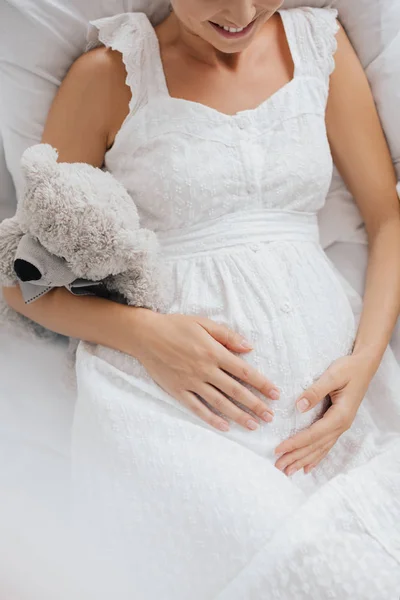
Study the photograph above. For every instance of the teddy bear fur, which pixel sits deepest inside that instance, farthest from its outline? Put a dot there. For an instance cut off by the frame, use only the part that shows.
(84, 215)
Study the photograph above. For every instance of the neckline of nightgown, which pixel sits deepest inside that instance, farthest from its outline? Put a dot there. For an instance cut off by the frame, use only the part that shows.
(287, 26)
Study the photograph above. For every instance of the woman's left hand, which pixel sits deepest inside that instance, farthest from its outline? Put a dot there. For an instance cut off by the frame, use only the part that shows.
(346, 382)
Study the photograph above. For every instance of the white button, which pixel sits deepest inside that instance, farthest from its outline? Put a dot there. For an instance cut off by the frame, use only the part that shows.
(254, 247)
(243, 122)
(286, 307)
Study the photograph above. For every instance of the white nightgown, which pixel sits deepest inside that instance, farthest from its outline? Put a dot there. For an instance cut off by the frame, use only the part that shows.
(182, 511)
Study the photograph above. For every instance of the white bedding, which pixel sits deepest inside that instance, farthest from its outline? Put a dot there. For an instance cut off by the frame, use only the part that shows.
(34, 464)
(7, 191)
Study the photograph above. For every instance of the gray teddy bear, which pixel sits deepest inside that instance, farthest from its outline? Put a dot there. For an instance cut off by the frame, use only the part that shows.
(77, 227)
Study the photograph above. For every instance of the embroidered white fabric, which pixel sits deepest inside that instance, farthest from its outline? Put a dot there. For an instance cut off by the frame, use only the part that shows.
(180, 510)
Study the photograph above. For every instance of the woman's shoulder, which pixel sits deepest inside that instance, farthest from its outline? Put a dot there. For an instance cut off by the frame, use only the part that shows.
(100, 75)
(89, 107)
(100, 67)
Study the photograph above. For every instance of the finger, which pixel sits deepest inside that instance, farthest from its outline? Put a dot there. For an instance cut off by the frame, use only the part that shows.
(313, 458)
(309, 468)
(235, 390)
(315, 462)
(329, 424)
(326, 384)
(226, 407)
(239, 368)
(225, 336)
(289, 458)
(201, 410)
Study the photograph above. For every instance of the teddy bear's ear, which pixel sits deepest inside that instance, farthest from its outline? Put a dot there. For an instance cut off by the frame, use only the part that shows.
(37, 161)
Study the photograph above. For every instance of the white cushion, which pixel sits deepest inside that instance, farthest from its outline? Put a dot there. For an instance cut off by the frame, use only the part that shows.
(384, 75)
(7, 191)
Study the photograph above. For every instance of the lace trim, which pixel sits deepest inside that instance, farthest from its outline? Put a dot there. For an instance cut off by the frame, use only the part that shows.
(316, 38)
(127, 33)
(330, 16)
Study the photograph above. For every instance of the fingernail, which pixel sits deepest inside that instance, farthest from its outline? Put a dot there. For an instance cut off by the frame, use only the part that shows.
(267, 417)
(303, 404)
(274, 395)
(252, 425)
(245, 344)
(292, 471)
(224, 426)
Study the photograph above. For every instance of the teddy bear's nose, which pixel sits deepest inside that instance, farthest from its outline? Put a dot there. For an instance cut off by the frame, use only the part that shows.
(26, 271)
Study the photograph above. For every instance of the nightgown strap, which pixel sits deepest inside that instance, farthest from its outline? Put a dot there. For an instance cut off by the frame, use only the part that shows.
(311, 34)
(133, 35)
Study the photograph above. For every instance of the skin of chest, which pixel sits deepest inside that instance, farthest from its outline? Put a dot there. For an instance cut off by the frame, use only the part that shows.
(228, 83)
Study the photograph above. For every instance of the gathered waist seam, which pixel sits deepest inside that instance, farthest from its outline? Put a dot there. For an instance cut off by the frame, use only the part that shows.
(239, 229)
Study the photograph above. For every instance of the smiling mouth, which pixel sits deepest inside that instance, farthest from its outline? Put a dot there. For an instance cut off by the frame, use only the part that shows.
(232, 32)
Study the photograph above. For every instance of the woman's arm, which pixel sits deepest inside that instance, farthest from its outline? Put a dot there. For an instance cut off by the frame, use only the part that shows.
(89, 108)
(86, 318)
(362, 156)
(81, 124)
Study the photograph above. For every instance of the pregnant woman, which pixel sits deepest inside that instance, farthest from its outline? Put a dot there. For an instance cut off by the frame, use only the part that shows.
(245, 441)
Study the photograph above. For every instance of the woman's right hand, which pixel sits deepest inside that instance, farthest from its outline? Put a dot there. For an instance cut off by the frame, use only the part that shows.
(189, 356)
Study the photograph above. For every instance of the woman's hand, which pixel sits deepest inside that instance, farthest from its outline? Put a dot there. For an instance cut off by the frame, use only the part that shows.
(346, 382)
(189, 357)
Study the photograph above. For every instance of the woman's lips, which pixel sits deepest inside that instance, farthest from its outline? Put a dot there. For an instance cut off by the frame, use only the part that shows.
(230, 34)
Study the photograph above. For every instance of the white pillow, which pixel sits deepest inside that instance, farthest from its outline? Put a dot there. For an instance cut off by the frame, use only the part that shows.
(39, 40)
(384, 75)
(7, 191)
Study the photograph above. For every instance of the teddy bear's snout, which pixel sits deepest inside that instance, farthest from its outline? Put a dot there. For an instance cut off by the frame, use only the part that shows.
(26, 271)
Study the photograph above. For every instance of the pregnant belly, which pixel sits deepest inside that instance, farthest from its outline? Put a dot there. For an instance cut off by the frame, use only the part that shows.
(284, 298)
